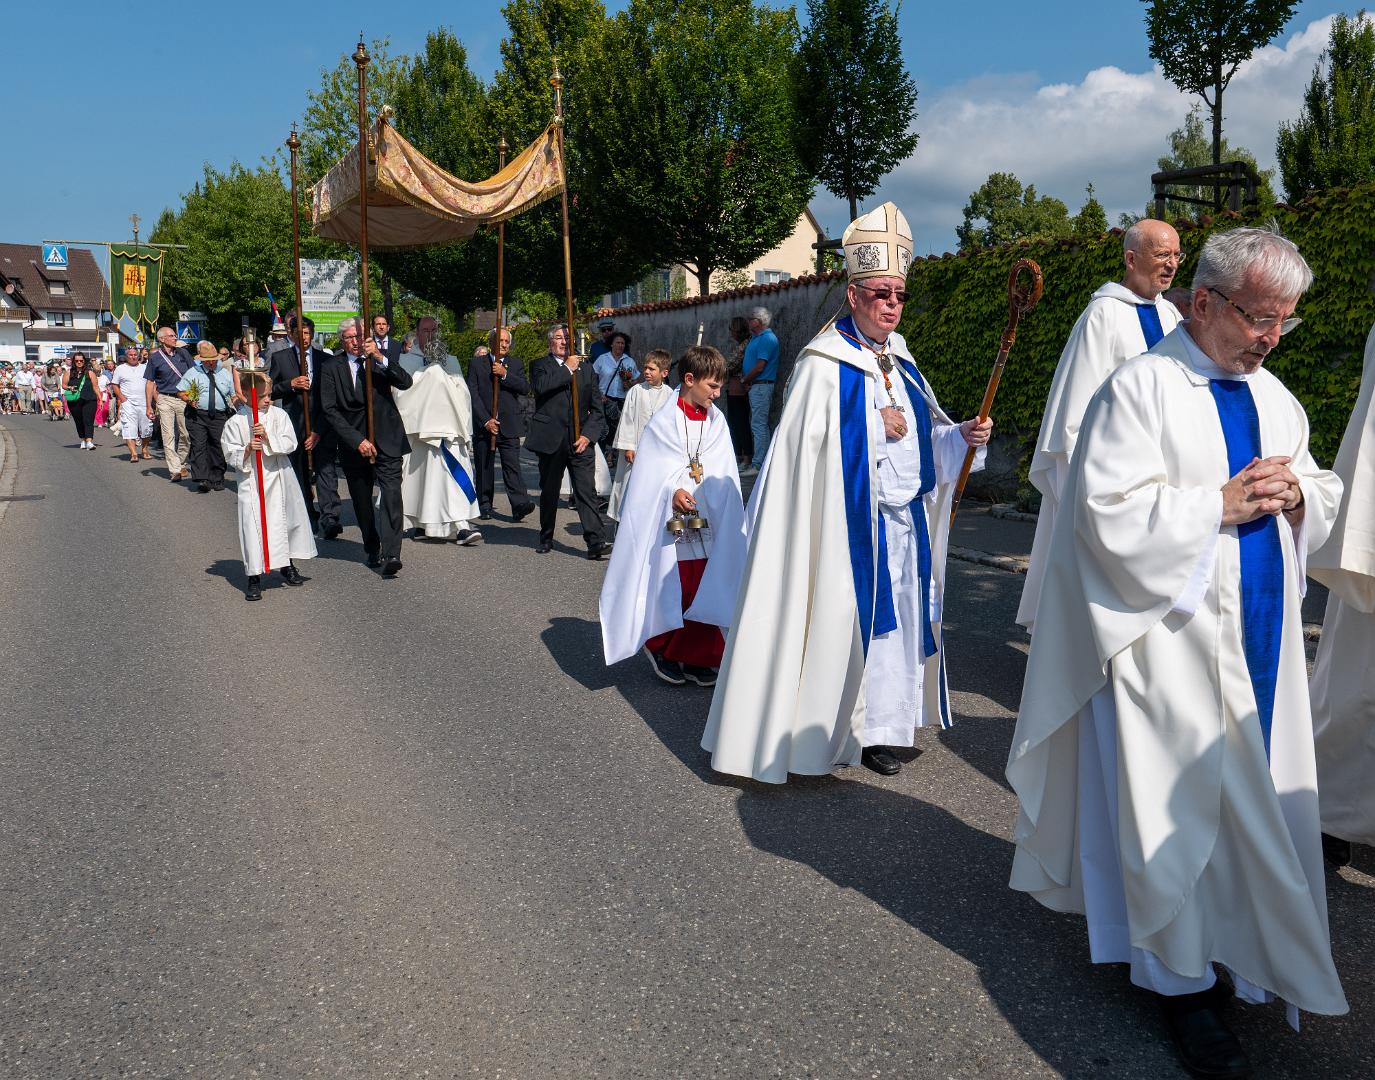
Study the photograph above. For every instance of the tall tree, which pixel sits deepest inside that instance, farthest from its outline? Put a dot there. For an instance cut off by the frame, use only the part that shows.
(330, 125)
(1092, 219)
(693, 140)
(1332, 143)
(855, 100)
(236, 225)
(1002, 211)
(1199, 44)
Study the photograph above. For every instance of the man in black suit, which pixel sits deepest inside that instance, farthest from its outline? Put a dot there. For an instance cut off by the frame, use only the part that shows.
(550, 438)
(288, 380)
(344, 403)
(508, 425)
(386, 344)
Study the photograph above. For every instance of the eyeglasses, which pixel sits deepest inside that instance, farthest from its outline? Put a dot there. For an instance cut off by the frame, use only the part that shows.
(1168, 256)
(1260, 326)
(884, 294)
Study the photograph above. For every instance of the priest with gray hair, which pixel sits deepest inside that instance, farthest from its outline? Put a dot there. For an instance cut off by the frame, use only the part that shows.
(1163, 756)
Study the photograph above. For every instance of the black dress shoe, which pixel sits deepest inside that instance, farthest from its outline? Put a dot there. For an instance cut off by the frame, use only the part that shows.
(1336, 850)
(202, 487)
(390, 567)
(217, 486)
(374, 559)
(332, 530)
(545, 547)
(485, 515)
(596, 551)
(1206, 1046)
(292, 576)
(881, 760)
(523, 512)
(254, 590)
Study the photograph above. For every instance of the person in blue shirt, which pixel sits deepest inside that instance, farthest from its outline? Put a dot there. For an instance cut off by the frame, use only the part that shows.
(760, 373)
(208, 390)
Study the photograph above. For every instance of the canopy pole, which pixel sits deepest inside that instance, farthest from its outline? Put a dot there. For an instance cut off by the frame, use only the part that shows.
(501, 314)
(556, 81)
(360, 57)
(293, 144)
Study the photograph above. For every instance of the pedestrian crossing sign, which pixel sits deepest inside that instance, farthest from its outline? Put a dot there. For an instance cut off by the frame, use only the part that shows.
(188, 333)
(55, 256)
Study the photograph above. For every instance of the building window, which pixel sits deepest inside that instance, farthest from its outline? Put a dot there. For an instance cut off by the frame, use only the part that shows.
(771, 277)
(31, 353)
(57, 288)
(59, 318)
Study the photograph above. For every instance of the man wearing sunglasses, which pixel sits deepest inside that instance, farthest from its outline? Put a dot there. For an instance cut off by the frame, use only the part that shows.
(1163, 757)
(835, 655)
(1122, 320)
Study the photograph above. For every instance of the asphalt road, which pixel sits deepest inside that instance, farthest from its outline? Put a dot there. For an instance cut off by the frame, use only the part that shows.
(418, 829)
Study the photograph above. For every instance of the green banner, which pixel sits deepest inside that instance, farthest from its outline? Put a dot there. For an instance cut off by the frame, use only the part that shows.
(135, 283)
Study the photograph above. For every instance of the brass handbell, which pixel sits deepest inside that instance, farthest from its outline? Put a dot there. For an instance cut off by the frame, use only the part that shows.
(695, 522)
(676, 525)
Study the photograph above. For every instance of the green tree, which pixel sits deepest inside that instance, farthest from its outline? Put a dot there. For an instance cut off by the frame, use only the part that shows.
(692, 143)
(855, 100)
(330, 125)
(1092, 219)
(1190, 148)
(237, 228)
(1001, 211)
(1332, 143)
(441, 108)
(1199, 44)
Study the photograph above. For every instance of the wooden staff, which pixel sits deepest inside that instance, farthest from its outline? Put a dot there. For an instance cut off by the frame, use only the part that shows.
(293, 144)
(360, 57)
(1020, 300)
(556, 81)
(501, 315)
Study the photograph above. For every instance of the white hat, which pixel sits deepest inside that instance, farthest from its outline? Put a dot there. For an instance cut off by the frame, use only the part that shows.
(878, 244)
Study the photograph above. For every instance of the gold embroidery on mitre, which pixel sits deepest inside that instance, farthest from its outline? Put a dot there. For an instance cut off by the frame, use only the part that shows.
(878, 244)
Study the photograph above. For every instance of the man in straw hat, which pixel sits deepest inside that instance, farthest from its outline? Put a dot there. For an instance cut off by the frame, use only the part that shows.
(208, 390)
(834, 653)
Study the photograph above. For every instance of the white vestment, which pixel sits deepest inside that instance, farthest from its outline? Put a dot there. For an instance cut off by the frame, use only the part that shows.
(1343, 686)
(791, 694)
(641, 594)
(289, 533)
(601, 471)
(415, 362)
(641, 403)
(1107, 334)
(1215, 854)
(895, 674)
(437, 411)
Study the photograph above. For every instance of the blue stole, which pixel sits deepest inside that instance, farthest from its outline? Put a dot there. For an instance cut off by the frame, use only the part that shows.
(457, 471)
(1262, 557)
(922, 420)
(1151, 330)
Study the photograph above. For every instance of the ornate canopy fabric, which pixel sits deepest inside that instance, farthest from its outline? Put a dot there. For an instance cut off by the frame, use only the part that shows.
(412, 202)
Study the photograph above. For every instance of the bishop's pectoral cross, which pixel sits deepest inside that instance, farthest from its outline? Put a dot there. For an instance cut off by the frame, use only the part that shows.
(695, 470)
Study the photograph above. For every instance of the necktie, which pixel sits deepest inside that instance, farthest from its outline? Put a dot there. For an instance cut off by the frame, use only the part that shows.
(211, 376)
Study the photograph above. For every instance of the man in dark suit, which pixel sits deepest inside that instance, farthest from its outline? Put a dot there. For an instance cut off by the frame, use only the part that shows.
(550, 438)
(386, 344)
(288, 380)
(508, 425)
(344, 403)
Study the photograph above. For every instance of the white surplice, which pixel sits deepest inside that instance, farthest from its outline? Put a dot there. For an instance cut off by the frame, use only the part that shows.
(1107, 334)
(289, 534)
(641, 403)
(642, 595)
(1215, 854)
(436, 409)
(895, 673)
(1343, 686)
(791, 696)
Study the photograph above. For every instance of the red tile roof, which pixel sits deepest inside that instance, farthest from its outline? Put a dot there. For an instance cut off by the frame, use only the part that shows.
(22, 264)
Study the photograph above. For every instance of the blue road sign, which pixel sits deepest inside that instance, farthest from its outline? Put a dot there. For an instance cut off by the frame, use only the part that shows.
(188, 333)
(55, 256)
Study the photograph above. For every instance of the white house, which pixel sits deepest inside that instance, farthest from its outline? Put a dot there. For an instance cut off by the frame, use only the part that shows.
(66, 309)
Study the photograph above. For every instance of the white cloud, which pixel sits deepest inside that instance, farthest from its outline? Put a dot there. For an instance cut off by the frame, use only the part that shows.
(1107, 129)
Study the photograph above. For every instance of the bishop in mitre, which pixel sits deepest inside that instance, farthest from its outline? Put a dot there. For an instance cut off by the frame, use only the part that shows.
(1342, 690)
(835, 652)
(438, 496)
(1123, 319)
(1163, 756)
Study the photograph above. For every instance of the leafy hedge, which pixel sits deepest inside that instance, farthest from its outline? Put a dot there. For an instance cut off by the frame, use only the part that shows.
(959, 308)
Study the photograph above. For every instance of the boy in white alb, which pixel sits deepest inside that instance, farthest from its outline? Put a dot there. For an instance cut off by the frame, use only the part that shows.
(289, 535)
(641, 403)
(680, 550)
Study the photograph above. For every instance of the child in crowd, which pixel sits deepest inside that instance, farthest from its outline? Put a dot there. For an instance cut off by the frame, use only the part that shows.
(289, 534)
(680, 550)
(641, 403)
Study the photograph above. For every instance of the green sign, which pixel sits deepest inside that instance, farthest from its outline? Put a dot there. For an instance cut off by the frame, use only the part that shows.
(135, 283)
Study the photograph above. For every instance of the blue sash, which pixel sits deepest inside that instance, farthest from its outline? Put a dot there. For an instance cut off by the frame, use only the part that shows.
(457, 471)
(1151, 330)
(868, 548)
(1262, 557)
(922, 419)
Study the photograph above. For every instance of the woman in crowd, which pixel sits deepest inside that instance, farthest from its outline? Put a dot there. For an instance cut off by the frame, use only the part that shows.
(80, 379)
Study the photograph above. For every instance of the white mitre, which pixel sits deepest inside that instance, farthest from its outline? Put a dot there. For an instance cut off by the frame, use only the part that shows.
(878, 244)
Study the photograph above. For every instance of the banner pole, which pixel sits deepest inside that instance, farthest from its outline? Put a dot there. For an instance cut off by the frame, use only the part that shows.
(501, 315)
(556, 81)
(293, 143)
(360, 58)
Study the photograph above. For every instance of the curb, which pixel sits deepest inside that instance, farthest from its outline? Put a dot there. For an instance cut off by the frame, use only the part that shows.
(1012, 564)
(1009, 512)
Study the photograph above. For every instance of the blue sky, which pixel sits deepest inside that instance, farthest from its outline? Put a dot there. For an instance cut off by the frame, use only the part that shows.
(1061, 93)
